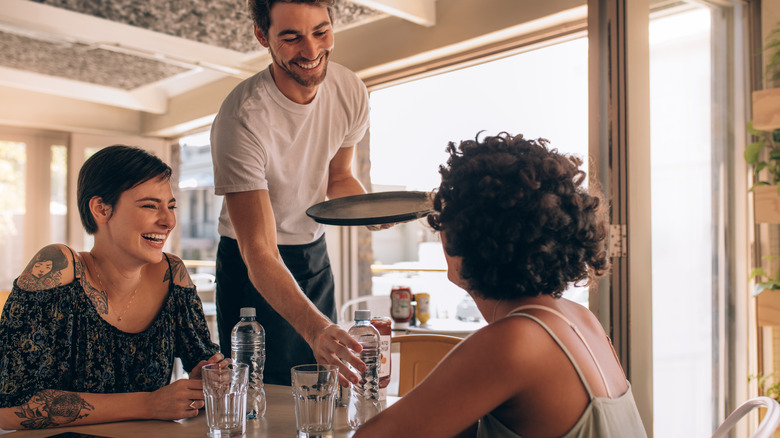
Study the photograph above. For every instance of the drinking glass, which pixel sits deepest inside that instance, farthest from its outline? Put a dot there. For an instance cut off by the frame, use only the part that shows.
(314, 388)
(225, 388)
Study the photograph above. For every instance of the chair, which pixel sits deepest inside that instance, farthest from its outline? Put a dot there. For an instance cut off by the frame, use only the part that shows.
(3, 298)
(379, 305)
(205, 285)
(419, 355)
(768, 425)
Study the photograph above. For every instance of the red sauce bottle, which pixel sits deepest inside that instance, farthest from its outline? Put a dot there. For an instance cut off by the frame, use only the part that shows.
(383, 324)
(401, 304)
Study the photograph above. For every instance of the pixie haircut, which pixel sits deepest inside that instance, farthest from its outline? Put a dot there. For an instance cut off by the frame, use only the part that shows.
(261, 10)
(518, 215)
(110, 172)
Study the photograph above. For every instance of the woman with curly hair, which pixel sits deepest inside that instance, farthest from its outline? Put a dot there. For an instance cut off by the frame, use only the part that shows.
(518, 227)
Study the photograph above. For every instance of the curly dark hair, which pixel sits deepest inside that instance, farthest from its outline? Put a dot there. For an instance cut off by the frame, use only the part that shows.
(517, 214)
(261, 10)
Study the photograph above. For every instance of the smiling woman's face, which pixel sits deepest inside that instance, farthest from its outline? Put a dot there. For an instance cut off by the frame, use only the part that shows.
(42, 268)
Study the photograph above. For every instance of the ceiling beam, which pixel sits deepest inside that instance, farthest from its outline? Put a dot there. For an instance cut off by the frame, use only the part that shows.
(422, 12)
(148, 99)
(49, 23)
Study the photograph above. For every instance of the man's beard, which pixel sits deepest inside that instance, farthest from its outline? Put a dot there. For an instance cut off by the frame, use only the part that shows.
(308, 80)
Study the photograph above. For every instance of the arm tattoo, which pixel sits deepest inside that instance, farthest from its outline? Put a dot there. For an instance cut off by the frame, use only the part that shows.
(179, 271)
(50, 408)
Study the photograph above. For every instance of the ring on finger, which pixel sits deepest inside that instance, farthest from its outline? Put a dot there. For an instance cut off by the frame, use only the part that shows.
(192, 404)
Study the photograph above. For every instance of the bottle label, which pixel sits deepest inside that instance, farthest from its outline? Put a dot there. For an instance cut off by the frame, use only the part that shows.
(401, 305)
(384, 355)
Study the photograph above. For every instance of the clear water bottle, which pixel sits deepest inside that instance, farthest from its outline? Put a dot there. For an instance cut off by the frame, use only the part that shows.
(364, 397)
(247, 342)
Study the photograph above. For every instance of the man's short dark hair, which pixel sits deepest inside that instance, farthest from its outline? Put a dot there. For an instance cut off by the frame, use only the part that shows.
(261, 10)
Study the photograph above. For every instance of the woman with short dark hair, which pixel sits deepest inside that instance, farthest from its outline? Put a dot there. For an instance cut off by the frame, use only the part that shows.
(518, 227)
(90, 337)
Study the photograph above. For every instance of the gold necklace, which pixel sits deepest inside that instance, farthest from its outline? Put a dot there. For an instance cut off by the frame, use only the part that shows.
(132, 296)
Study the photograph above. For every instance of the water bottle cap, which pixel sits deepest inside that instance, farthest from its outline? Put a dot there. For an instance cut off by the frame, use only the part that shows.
(362, 315)
(248, 311)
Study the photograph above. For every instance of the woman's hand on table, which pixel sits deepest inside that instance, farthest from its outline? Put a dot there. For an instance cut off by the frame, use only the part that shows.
(217, 358)
(181, 399)
(335, 346)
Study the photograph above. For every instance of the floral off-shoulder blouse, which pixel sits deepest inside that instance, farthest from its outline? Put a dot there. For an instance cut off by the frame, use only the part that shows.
(55, 339)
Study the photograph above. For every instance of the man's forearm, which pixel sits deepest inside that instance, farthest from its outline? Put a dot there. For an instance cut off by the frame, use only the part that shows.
(273, 280)
(344, 187)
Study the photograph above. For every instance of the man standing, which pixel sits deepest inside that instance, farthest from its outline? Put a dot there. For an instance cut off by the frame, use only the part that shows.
(284, 140)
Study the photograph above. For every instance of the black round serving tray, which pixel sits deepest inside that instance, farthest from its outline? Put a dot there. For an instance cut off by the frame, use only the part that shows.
(372, 208)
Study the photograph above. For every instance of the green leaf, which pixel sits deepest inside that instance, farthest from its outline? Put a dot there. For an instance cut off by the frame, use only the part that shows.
(757, 184)
(752, 130)
(760, 287)
(757, 272)
(753, 151)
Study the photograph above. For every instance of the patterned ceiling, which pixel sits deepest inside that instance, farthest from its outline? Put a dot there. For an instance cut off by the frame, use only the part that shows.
(221, 23)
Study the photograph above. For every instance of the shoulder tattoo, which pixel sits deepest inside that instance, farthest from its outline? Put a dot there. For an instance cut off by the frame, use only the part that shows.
(99, 298)
(44, 270)
(50, 408)
(78, 267)
(178, 273)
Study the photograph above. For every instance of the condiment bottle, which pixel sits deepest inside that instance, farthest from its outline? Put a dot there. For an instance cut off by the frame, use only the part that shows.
(383, 324)
(423, 311)
(401, 306)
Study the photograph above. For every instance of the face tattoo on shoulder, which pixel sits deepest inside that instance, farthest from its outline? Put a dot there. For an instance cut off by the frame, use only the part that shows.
(45, 270)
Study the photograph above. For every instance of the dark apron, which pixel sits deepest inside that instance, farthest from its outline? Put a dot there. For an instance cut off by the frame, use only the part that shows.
(284, 347)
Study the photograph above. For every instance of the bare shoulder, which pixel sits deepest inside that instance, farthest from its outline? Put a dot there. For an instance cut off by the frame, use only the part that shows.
(490, 344)
(53, 265)
(178, 272)
(584, 318)
(537, 345)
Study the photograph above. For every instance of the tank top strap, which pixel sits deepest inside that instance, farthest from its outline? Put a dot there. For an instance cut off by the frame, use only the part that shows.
(517, 312)
(76, 259)
(170, 268)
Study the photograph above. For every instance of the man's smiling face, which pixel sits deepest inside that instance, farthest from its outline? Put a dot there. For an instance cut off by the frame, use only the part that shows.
(300, 39)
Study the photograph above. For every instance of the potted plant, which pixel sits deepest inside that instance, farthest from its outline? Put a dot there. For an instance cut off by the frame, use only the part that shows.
(766, 102)
(763, 155)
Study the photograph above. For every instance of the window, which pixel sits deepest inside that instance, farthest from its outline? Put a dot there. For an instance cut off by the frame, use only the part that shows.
(198, 207)
(690, 217)
(33, 210)
(13, 165)
(537, 93)
(58, 207)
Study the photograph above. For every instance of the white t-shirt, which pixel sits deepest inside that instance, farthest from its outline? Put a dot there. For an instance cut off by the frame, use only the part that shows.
(260, 140)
